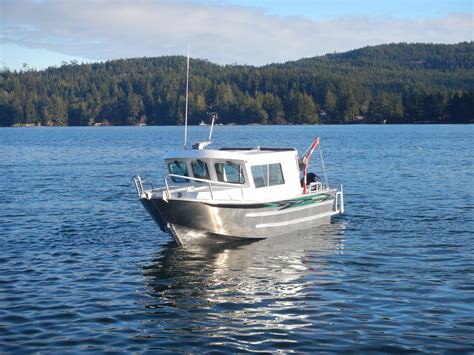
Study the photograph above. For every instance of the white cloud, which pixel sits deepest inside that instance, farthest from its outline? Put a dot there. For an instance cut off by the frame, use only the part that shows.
(103, 30)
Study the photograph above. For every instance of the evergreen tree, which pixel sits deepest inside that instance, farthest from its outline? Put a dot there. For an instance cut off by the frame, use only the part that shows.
(395, 83)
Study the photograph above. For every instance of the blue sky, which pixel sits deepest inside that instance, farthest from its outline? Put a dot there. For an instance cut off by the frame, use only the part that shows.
(44, 33)
(316, 10)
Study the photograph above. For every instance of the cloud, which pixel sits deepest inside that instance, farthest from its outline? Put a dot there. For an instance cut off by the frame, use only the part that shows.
(102, 30)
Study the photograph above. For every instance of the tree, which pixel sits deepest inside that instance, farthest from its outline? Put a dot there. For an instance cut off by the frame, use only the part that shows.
(460, 108)
(301, 108)
(399, 82)
(274, 108)
(77, 114)
(348, 107)
(330, 102)
(8, 115)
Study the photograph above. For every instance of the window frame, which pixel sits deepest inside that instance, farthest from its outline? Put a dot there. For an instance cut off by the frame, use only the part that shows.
(266, 175)
(178, 163)
(241, 172)
(202, 164)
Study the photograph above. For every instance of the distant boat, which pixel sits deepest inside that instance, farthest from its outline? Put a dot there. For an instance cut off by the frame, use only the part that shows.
(142, 124)
(202, 123)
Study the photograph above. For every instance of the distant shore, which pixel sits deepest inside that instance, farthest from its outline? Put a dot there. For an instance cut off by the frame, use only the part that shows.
(29, 125)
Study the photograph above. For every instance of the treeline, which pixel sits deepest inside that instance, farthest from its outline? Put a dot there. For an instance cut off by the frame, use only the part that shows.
(396, 83)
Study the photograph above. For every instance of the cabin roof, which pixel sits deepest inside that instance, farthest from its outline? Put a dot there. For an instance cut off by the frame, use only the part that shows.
(232, 153)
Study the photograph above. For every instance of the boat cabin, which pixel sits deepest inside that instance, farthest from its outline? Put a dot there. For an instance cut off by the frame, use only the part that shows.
(233, 174)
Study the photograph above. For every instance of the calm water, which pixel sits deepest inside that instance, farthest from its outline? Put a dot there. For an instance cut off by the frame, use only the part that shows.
(84, 268)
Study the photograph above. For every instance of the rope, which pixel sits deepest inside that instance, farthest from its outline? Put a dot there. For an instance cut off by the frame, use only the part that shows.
(324, 166)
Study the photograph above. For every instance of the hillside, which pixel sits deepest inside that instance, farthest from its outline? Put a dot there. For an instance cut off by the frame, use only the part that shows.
(395, 83)
(440, 57)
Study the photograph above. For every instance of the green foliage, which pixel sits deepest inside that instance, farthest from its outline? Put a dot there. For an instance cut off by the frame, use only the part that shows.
(399, 83)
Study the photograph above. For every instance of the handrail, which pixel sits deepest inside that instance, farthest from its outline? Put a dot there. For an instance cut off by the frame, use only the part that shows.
(138, 185)
(208, 182)
(339, 201)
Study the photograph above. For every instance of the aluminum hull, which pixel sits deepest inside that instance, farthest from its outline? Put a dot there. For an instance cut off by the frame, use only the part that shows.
(192, 221)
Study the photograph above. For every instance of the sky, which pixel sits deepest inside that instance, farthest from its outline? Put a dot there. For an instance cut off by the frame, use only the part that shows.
(37, 34)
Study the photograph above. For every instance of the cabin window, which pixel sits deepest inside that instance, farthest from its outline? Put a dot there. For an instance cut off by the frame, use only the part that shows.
(200, 170)
(267, 175)
(230, 172)
(178, 168)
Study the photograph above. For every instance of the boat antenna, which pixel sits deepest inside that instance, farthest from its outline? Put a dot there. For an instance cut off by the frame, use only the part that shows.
(214, 117)
(186, 109)
(202, 145)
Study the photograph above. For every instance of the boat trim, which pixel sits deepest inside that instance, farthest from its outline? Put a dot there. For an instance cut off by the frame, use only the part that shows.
(260, 149)
(295, 221)
(295, 209)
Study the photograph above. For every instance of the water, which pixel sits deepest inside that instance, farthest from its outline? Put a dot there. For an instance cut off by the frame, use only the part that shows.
(84, 268)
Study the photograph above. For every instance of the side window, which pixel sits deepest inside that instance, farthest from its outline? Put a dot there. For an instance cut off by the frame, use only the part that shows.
(258, 174)
(200, 169)
(230, 172)
(275, 176)
(178, 168)
(267, 175)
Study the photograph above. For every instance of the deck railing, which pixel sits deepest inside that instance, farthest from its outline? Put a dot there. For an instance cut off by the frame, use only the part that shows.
(209, 184)
(339, 201)
(138, 185)
(167, 192)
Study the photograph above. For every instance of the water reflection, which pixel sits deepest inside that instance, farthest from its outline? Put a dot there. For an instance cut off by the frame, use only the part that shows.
(256, 287)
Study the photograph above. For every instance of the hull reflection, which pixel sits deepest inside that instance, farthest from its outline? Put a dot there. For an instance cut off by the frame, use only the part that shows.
(226, 287)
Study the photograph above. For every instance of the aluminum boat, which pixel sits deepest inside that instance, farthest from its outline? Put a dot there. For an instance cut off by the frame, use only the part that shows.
(230, 194)
(238, 193)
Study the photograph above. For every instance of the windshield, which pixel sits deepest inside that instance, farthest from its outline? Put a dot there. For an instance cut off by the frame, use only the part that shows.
(178, 168)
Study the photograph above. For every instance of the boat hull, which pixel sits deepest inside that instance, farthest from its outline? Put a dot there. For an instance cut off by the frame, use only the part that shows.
(191, 222)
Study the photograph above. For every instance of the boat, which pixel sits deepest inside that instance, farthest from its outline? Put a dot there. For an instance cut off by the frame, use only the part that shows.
(238, 193)
(235, 193)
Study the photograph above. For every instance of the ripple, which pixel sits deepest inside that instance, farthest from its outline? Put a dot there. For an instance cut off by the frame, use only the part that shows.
(83, 268)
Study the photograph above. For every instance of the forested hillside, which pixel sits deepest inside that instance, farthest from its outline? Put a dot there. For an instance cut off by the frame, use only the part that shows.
(396, 83)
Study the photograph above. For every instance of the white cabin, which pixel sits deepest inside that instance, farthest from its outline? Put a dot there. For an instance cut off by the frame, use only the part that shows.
(258, 174)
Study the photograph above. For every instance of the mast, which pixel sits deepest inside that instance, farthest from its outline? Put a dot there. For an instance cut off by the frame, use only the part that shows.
(213, 116)
(202, 145)
(186, 109)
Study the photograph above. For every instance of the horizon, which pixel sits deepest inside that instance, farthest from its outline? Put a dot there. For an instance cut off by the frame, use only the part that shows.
(76, 62)
(47, 33)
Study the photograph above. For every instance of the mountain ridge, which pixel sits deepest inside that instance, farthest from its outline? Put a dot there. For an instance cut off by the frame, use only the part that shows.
(395, 83)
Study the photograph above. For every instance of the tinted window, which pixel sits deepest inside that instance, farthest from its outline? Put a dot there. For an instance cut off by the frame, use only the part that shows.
(229, 172)
(200, 170)
(178, 168)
